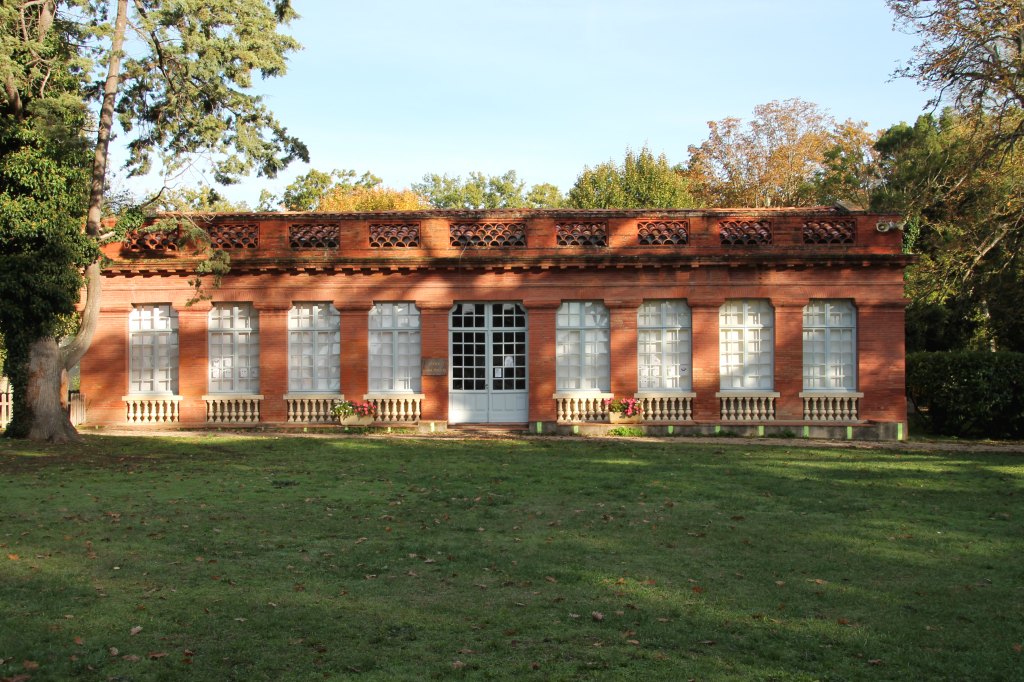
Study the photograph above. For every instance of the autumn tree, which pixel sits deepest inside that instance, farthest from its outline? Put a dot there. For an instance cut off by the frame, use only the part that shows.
(642, 180)
(971, 55)
(772, 160)
(362, 199)
(181, 96)
(850, 170)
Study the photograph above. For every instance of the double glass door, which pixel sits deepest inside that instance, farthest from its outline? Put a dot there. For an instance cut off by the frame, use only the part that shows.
(488, 378)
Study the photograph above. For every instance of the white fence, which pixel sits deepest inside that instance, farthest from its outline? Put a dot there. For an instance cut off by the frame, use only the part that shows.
(76, 408)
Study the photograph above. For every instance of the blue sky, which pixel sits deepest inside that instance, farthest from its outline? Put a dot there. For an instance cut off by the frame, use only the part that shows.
(545, 87)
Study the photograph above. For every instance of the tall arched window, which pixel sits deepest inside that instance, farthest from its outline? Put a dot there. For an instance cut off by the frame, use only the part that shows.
(830, 346)
(153, 349)
(663, 346)
(394, 348)
(234, 338)
(314, 348)
(582, 347)
(746, 345)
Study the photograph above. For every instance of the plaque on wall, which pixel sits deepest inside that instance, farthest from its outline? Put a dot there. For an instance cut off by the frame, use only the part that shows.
(435, 367)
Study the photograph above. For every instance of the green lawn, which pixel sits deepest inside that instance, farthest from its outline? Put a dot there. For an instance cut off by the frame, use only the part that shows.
(236, 558)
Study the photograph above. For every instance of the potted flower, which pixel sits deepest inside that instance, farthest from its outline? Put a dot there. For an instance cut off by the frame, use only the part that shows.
(354, 412)
(623, 410)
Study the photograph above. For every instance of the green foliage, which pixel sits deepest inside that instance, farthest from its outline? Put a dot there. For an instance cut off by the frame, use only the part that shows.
(964, 210)
(202, 199)
(185, 93)
(309, 190)
(640, 181)
(480, 191)
(969, 394)
(42, 247)
(626, 431)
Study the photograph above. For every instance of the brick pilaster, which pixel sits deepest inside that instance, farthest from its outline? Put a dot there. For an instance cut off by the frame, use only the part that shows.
(789, 359)
(193, 361)
(273, 361)
(706, 371)
(434, 347)
(542, 316)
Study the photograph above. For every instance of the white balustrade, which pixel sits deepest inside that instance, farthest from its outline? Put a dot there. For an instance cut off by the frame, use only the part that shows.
(831, 406)
(232, 409)
(747, 406)
(396, 408)
(6, 408)
(312, 408)
(666, 407)
(581, 407)
(152, 409)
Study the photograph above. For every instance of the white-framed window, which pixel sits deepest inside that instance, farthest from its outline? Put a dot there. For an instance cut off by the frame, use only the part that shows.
(153, 349)
(395, 348)
(830, 346)
(234, 341)
(746, 345)
(664, 346)
(582, 342)
(314, 348)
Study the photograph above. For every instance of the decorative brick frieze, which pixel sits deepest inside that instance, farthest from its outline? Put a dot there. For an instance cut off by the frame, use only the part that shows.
(488, 235)
(581, 234)
(830, 232)
(394, 235)
(662, 233)
(745, 232)
(307, 236)
(234, 235)
(141, 241)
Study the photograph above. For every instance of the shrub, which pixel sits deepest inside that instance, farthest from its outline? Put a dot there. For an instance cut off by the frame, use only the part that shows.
(968, 393)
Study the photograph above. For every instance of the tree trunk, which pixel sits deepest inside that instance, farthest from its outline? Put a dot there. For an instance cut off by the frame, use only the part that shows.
(41, 403)
(49, 418)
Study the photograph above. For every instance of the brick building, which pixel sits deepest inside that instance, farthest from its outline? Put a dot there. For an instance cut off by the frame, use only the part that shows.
(746, 320)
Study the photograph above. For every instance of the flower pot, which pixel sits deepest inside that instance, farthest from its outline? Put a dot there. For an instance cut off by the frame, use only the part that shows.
(620, 418)
(356, 420)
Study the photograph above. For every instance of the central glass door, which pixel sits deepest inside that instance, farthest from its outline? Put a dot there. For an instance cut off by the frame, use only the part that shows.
(487, 346)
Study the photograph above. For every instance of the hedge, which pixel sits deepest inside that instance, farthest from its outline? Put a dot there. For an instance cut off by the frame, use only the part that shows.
(974, 394)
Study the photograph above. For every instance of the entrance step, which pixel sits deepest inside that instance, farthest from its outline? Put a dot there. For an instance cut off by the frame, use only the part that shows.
(489, 430)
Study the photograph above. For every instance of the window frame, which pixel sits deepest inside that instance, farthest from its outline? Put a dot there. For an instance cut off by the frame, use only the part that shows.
(241, 337)
(394, 332)
(326, 378)
(830, 350)
(571, 327)
(167, 336)
(748, 333)
(682, 360)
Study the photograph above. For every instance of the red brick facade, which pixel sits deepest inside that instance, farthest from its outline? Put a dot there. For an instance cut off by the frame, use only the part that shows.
(539, 259)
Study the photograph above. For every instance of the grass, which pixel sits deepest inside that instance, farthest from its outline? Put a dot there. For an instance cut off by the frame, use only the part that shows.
(276, 558)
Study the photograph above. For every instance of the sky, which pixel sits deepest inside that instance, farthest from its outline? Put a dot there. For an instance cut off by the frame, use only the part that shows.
(545, 87)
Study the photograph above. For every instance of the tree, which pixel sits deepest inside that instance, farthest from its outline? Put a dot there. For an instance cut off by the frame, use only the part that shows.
(641, 181)
(965, 218)
(371, 199)
(309, 190)
(180, 96)
(971, 54)
(850, 169)
(771, 161)
(481, 191)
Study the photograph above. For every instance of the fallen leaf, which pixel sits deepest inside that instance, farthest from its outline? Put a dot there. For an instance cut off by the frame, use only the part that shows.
(113, 651)
(29, 665)
(597, 616)
(697, 588)
(551, 578)
(13, 557)
(79, 641)
(535, 666)
(707, 642)
(131, 658)
(633, 642)
(780, 583)
(1018, 647)
(136, 630)
(874, 661)
(458, 665)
